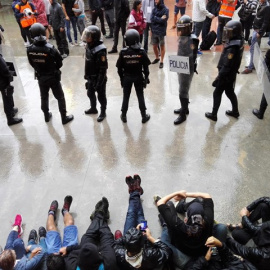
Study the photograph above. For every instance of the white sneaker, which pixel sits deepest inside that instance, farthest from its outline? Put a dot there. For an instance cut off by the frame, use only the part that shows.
(26, 44)
(64, 56)
(71, 44)
(76, 43)
(82, 44)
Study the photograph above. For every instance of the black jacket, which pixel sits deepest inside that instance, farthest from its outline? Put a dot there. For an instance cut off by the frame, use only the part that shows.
(213, 6)
(258, 256)
(262, 19)
(108, 4)
(255, 203)
(121, 10)
(154, 255)
(57, 16)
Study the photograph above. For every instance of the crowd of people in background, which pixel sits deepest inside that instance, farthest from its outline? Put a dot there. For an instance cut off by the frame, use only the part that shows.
(190, 237)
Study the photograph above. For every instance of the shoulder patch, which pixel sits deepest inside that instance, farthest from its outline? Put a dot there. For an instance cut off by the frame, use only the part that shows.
(103, 58)
(230, 56)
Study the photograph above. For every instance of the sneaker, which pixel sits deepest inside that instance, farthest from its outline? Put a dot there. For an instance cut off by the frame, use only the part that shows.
(155, 61)
(71, 44)
(81, 44)
(33, 236)
(53, 208)
(160, 65)
(67, 203)
(18, 222)
(246, 71)
(199, 53)
(118, 234)
(76, 43)
(42, 232)
(156, 198)
(64, 55)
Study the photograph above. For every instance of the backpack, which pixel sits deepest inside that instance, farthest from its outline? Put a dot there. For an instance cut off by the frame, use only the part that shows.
(208, 41)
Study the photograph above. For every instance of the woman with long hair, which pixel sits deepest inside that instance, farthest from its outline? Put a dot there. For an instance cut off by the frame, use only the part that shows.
(137, 19)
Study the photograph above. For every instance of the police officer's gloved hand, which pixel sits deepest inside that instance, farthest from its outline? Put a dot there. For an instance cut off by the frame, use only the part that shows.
(97, 87)
(9, 90)
(86, 85)
(10, 78)
(121, 81)
(215, 82)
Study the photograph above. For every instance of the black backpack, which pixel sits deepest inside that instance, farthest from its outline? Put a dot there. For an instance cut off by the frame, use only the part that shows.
(208, 41)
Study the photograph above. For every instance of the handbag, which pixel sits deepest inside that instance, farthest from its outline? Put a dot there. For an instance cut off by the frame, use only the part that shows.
(76, 6)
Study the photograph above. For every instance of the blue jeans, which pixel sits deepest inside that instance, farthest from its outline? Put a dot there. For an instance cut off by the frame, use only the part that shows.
(251, 49)
(135, 213)
(180, 259)
(197, 28)
(220, 232)
(42, 244)
(73, 21)
(15, 243)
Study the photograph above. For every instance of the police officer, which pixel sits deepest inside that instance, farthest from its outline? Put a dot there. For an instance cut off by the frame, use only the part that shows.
(187, 46)
(96, 66)
(228, 66)
(47, 61)
(133, 68)
(7, 93)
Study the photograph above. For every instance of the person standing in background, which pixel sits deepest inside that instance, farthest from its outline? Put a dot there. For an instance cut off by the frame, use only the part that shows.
(179, 7)
(147, 8)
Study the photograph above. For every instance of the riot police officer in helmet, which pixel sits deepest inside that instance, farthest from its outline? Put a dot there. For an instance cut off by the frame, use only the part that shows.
(228, 66)
(47, 61)
(133, 68)
(96, 65)
(188, 47)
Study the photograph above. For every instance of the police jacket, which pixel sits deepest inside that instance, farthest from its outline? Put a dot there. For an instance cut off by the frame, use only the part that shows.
(158, 25)
(258, 256)
(262, 19)
(57, 16)
(44, 58)
(96, 63)
(230, 60)
(5, 75)
(153, 255)
(133, 62)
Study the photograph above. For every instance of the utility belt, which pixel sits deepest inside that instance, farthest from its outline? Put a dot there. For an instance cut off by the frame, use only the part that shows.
(56, 74)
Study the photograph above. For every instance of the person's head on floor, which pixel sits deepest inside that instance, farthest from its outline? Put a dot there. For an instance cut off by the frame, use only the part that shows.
(262, 238)
(134, 241)
(55, 262)
(7, 259)
(194, 219)
(89, 257)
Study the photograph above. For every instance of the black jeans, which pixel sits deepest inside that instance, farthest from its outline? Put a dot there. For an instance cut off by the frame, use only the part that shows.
(8, 102)
(146, 35)
(47, 82)
(101, 95)
(128, 81)
(99, 234)
(61, 41)
(247, 25)
(229, 91)
(206, 27)
(221, 23)
(99, 14)
(262, 211)
(119, 24)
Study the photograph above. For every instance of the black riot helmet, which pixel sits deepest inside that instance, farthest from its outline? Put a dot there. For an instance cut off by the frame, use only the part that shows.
(38, 32)
(92, 32)
(134, 240)
(184, 25)
(232, 30)
(132, 39)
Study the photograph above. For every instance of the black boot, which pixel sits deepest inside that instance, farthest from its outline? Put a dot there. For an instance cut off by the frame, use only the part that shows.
(183, 111)
(177, 111)
(47, 116)
(234, 114)
(212, 116)
(13, 121)
(102, 116)
(102, 207)
(145, 117)
(123, 117)
(67, 118)
(91, 111)
(15, 111)
(258, 113)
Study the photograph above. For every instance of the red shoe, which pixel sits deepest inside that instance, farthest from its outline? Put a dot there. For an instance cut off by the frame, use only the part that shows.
(246, 71)
(18, 222)
(118, 234)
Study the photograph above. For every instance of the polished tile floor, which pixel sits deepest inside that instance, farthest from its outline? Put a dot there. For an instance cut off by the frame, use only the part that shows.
(40, 162)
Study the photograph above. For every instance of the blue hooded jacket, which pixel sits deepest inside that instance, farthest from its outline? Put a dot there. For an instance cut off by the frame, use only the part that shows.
(158, 25)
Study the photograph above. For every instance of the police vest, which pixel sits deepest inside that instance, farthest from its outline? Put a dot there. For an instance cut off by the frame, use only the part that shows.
(227, 9)
(26, 21)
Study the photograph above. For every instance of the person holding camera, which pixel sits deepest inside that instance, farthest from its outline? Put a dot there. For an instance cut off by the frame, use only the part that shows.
(47, 61)
(7, 91)
(138, 249)
(133, 68)
(26, 12)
